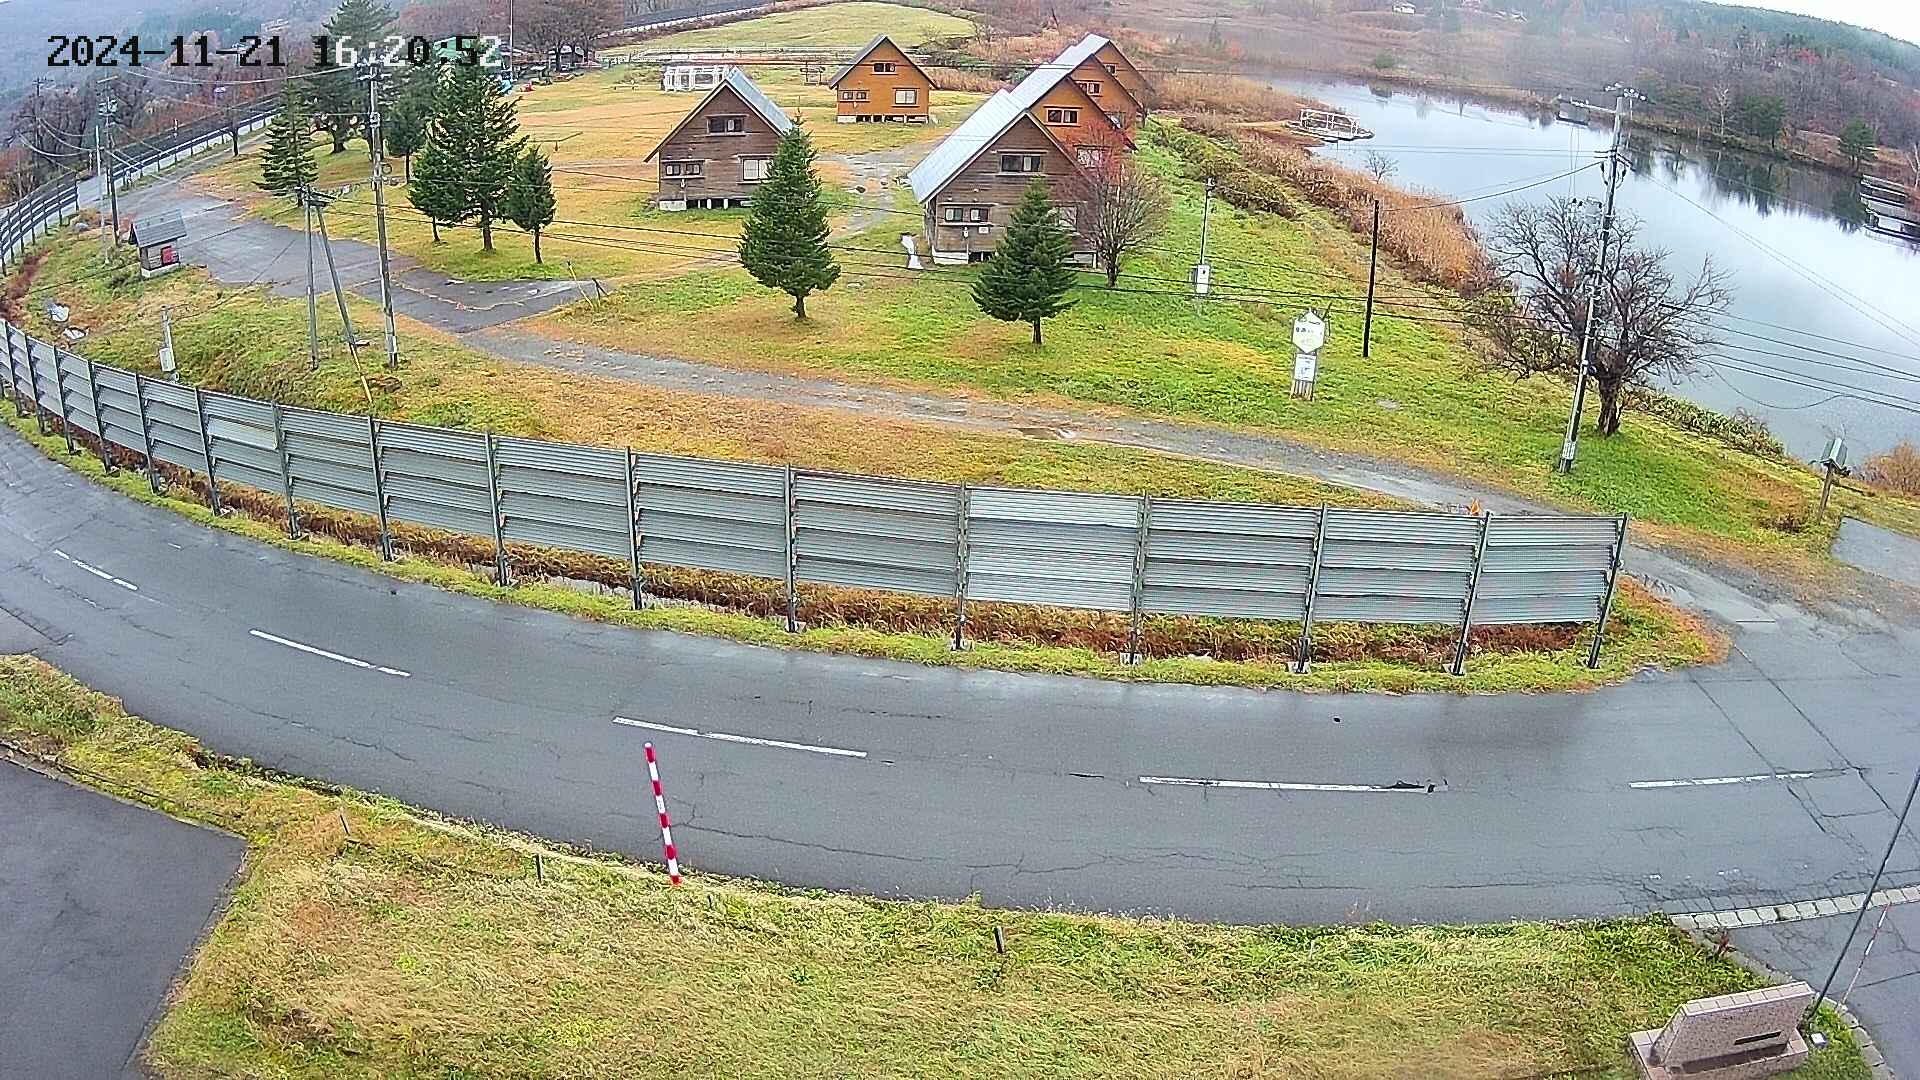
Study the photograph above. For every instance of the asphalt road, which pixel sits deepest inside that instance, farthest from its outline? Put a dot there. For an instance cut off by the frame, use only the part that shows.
(1885, 980)
(100, 902)
(1026, 790)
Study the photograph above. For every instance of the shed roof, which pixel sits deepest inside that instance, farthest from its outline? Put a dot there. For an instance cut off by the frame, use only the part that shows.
(161, 228)
(867, 50)
(986, 124)
(748, 92)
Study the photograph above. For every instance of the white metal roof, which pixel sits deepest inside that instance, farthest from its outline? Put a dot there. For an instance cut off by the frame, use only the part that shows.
(985, 125)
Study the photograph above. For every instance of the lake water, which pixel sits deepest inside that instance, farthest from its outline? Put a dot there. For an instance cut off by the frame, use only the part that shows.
(1804, 270)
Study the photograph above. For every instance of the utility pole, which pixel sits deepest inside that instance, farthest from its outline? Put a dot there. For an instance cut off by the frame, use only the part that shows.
(510, 47)
(313, 317)
(1373, 262)
(374, 76)
(333, 271)
(219, 97)
(1202, 271)
(108, 107)
(168, 366)
(1616, 157)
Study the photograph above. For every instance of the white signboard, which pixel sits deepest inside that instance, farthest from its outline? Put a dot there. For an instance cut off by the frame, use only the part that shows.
(1309, 333)
(1304, 366)
(1202, 277)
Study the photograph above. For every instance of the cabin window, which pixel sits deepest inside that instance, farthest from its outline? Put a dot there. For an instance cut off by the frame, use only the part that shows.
(686, 168)
(754, 169)
(1118, 120)
(1089, 156)
(1092, 88)
(726, 125)
(853, 95)
(1020, 163)
(963, 215)
(1068, 215)
(883, 67)
(1063, 116)
(906, 96)
(1109, 68)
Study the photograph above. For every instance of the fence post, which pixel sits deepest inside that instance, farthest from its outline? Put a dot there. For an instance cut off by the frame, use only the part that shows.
(1139, 577)
(146, 433)
(633, 530)
(1606, 605)
(379, 487)
(1305, 650)
(1473, 590)
(60, 396)
(793, 601)
(960, 574)
(33, 389)
(13, 371)
(99, 418)
(499, 523)
(206, 449)
(286, 469)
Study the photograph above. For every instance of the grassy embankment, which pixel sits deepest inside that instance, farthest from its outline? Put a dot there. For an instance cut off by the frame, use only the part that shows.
(252, 344)
(847, 25)
(416, 947)
(597, 129)
(1422, 397)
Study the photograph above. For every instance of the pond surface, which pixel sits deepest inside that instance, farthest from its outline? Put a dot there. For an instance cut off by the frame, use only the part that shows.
(1805, 271)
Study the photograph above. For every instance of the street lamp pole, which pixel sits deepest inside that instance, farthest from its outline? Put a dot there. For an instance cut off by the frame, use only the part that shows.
(374, 75)
(1616, 157)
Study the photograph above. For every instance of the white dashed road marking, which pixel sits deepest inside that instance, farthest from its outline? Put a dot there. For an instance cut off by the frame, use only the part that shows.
(1275, 785)
(97, 572)
(721, 736)
(1719, 781)
(292, 644)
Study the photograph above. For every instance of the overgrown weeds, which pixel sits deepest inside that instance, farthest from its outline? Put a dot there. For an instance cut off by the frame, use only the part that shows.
(1897, 469)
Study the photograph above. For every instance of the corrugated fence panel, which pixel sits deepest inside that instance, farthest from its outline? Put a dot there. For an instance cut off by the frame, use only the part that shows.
(1228, 559)
(1048, 547)
(330, 458)
(572, 497)
(870, 533)
(173, 420)
(45, 390)
(437, 477)
(120, 408)
(241, 433)
(1394, 567)
(712, 515)
(13, 362)
(76, 382)
(1545, 569)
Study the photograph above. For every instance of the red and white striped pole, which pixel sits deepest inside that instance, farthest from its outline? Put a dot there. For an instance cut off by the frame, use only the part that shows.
(666, 826)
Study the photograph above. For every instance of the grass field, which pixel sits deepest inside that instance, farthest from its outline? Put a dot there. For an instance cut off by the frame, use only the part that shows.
(598, 129)
(848, 25)
(417, 948)
(1422, 396)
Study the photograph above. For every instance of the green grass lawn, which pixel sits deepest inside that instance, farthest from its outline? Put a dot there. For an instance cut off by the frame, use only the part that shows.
(847, 25)
(419, 948)
(1421, 397)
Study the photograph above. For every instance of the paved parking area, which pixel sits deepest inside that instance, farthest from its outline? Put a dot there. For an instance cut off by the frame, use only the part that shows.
(1886, 996)
(100, 902)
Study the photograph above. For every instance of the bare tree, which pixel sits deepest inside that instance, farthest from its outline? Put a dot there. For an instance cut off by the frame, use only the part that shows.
(1649, 325)
(1720, 99)
(1380, 165)
(1120, 207)
(1913, 165)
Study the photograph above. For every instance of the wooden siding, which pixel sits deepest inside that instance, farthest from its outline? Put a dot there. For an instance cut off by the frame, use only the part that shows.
(1128, 75)
(981, 183)
(1113, 98)
(880, 88)
(1092, 128)
(721, 155)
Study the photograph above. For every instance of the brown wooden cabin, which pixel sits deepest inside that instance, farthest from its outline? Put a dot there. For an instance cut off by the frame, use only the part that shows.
(882, 83)
(1110, 79)
(721, 151)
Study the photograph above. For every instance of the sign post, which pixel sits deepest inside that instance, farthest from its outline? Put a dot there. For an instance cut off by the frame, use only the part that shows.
(1834, 461)
(1309, 334)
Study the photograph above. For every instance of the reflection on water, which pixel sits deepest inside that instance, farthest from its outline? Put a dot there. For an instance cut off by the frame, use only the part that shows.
(1794, 238)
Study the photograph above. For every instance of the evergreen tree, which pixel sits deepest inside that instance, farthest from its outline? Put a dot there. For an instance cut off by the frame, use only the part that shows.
(287, 164)
(339, 101)
(1031, 270)
(1857, 142)
(472, 143)
(784, 243)
(530, 202)
(403, 123)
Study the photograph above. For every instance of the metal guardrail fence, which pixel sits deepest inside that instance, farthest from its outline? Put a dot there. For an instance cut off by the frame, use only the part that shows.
(1127, 554)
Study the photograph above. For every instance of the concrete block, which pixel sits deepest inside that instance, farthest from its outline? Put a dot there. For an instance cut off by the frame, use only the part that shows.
(1731, 1037)
(1826, 907)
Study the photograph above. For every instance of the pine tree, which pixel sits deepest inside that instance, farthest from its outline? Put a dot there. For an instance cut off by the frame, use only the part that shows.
(404, 123)
(1031, 270)
(784, 243)
(287, 165)
(1857, 141)
(472, 143)
(339, 101)
(530, 202)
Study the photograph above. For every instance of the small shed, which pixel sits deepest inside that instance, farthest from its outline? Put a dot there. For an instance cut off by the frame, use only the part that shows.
(686, 77)
(158, 237)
